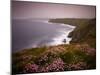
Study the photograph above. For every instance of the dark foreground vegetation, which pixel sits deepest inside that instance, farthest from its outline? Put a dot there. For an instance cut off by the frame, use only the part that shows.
(80, 54)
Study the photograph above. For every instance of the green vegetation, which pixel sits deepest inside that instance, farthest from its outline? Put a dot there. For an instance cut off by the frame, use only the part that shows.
(70, 21)
(73, 57)
(74, 54)
(21, 58)
(79, 55)
(85, 31)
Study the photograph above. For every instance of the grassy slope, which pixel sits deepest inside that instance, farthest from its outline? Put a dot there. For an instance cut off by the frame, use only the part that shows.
(79, 55)
(85, 30)
(74, 56)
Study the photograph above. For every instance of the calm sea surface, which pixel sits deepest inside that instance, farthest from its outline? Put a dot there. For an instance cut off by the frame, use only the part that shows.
(36, 33)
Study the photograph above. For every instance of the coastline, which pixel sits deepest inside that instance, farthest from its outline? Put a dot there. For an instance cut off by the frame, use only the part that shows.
(64, 57)
(84, 28)
(57, 40)
(66, 35)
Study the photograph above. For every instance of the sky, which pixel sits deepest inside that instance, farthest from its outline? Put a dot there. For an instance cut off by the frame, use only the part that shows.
(26, 10)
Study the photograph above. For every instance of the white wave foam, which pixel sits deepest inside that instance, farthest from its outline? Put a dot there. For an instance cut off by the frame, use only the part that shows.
(63, 35)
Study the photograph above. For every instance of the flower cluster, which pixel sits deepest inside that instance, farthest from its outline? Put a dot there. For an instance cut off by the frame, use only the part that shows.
(30, 68)
(77, 66)
(88, 50)
(45, 59)
(56, 65)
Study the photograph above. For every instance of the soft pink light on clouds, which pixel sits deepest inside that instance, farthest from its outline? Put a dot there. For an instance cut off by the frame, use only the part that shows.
(22, 9)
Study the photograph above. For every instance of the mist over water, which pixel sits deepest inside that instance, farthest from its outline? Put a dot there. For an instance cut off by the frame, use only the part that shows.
(36, 33)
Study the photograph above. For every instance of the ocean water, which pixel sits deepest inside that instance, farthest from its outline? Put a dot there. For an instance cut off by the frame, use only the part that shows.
(28, 33)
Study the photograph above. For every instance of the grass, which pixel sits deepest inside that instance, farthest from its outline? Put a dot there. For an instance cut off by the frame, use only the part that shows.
(85, 30)
(70, 21)
(83, 40)
(75, 56)
(21, 58)
(71, 55)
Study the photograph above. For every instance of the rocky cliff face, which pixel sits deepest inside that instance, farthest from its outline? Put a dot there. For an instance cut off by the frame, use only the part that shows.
(79, 55)
(85, 30)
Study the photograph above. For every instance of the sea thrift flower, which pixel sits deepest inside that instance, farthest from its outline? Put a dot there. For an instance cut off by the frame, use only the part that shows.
(30, 68)
(77, 66)
(56, 65)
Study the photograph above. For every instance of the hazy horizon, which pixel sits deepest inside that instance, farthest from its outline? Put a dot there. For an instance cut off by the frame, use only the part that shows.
(35, 10)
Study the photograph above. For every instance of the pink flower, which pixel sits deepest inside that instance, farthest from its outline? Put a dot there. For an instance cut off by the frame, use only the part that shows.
(30, 68)
(56, 65)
